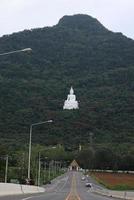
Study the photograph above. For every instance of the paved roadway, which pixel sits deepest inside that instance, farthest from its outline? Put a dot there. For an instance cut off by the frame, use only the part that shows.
(68, 187)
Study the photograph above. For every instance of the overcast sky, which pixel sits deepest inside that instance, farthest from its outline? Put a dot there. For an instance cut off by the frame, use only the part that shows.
(17, 15)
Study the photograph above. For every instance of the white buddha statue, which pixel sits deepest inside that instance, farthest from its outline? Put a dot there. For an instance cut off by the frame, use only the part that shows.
(71, 102)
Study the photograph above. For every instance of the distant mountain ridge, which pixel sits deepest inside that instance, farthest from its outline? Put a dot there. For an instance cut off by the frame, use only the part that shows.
(78, 51)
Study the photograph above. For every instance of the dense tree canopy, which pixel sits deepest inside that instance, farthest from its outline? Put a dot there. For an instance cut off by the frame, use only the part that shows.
(78, 51)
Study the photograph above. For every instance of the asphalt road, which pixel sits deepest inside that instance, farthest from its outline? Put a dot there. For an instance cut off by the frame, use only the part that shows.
(68, 187)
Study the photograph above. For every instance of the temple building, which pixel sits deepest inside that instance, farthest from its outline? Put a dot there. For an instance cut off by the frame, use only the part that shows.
(74, 166)
(71, 102)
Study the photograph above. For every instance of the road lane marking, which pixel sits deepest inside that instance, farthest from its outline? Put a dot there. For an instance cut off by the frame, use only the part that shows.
(26, 198)
(65, 180)
(73, 195)
(32, 197)
(57, 188)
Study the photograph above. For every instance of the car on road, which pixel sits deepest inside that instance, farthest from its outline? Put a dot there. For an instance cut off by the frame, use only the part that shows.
(83, 178)
(88, 184)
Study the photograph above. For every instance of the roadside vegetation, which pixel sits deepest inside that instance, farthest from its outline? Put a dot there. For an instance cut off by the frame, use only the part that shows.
(78, 51)
(54, 160)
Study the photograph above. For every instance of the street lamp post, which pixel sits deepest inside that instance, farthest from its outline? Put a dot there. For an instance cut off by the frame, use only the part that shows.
(16, 51)
(30, 140)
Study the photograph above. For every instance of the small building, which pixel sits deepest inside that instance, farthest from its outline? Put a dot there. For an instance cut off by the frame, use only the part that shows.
(74, 166)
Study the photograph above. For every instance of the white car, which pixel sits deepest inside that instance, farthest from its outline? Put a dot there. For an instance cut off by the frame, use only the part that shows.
(83, 178)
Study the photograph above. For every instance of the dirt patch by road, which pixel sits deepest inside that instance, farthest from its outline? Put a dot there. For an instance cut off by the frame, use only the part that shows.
(115, 180)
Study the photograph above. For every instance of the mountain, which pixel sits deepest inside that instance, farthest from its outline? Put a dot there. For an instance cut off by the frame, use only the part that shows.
(78, 51)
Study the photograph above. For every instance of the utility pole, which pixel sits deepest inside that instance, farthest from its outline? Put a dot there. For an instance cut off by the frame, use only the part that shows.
(45, 169)
(91, 140)
(49, 171)
(80, 147)
(6, 169)
(56, 167)
(53, 168)
(60, 165)
(39, 170)
(92, 148)
(23, 165)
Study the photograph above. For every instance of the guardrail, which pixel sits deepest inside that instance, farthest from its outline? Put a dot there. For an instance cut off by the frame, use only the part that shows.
(112, 193)
(13, 189)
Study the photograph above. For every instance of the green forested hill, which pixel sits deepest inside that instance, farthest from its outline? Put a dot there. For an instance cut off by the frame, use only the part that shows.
(78, 51)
